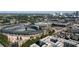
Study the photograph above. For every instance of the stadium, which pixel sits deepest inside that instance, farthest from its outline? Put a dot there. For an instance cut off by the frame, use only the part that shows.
(21, 29)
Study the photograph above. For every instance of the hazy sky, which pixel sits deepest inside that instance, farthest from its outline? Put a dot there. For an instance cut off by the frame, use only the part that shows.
(35, 11)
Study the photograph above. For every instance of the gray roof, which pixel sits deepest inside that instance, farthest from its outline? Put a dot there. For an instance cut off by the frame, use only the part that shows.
(20, 29)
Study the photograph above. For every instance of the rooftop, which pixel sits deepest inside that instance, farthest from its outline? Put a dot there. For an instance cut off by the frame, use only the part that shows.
(21, 29)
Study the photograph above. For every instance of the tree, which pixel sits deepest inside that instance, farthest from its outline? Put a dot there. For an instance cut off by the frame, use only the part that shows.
(4, 40)
(30, 42)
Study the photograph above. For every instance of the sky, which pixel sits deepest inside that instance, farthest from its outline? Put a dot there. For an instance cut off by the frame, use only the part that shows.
(50, 12)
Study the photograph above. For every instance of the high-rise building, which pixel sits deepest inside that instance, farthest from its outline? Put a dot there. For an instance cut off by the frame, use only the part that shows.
(77, 13)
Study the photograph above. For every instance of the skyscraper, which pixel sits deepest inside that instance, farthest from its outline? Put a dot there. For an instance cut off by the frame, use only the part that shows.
(77, 13)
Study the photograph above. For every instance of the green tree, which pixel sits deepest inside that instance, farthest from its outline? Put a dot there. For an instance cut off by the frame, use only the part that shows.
(4, 40)
(30, 42)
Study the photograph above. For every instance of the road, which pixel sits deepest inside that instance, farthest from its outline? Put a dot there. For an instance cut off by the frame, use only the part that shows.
(59, 29)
